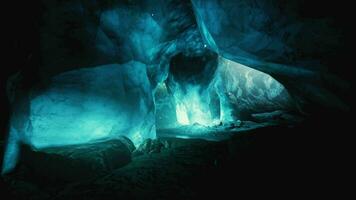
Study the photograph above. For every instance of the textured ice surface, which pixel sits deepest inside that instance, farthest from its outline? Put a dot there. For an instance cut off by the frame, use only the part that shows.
(192, 107)
(277, 38)
(243, 91)
(235, 92)
(87, 104)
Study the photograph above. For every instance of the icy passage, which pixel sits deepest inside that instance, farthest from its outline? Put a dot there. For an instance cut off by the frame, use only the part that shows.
(234, 92)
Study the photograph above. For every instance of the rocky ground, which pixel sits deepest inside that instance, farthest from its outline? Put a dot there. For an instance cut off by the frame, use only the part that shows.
(165, 168)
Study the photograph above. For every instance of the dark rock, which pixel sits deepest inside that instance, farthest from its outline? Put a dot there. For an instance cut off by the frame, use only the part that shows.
(127, 142)
(177, 171)
(194, 168)
(235, 124)
(150, 146)
(278, 116)
(2, 146)
(76, 162)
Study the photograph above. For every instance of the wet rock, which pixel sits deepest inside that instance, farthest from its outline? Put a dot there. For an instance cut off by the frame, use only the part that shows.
(150, 146)
(179, 171)
(278, 116)
(76, 162)
(130, 145)
(235, 124)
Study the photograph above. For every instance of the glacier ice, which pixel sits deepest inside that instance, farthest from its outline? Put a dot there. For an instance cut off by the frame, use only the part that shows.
(234, 92)
(193, 107)
(93, 103)
(87, 104)
(243, 91)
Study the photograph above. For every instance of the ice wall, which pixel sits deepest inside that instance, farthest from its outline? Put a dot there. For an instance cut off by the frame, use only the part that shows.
(87, 104)
(288, 41)
(243, 91)
(233, 92)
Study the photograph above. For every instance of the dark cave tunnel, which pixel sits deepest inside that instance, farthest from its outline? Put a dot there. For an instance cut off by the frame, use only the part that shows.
(112, 93)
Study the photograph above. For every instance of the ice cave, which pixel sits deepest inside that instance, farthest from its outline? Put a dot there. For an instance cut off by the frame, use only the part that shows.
(133, 97)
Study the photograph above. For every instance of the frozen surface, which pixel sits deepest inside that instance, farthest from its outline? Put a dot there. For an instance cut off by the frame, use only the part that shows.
(210, 133)
(87, 104)
(235, 92)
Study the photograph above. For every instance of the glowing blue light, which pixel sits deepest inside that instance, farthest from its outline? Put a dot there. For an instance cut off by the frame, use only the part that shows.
(11, 152)
(237, 87)
(87, 104)
(192, 107)
(182, 116)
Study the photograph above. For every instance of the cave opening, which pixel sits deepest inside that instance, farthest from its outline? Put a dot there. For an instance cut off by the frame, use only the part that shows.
(210, 92)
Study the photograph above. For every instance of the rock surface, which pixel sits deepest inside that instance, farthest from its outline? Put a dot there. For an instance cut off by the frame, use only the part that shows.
(269, 157)
(184, 169)
(76, 162)
(150, 146)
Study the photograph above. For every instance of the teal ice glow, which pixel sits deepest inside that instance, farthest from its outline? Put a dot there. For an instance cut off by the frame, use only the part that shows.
(237, 87)
(67, 122)
(242, 88)
(93, 103)
(87, 104)
(11, 151)
(139, 30)
(240, 80)
(182, 114)
(192, 107)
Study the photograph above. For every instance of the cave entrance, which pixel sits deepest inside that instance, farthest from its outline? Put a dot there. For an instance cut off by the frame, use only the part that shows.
(210, 90)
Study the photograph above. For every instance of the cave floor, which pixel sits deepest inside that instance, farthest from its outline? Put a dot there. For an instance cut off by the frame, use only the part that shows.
(210, 133)
(198, 162)
(225, 131)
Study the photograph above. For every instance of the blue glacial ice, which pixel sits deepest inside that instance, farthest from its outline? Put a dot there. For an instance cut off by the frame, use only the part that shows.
(87, 104)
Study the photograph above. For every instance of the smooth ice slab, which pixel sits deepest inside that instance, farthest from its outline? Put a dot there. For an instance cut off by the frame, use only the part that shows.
(84, 105)
(87, 104)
